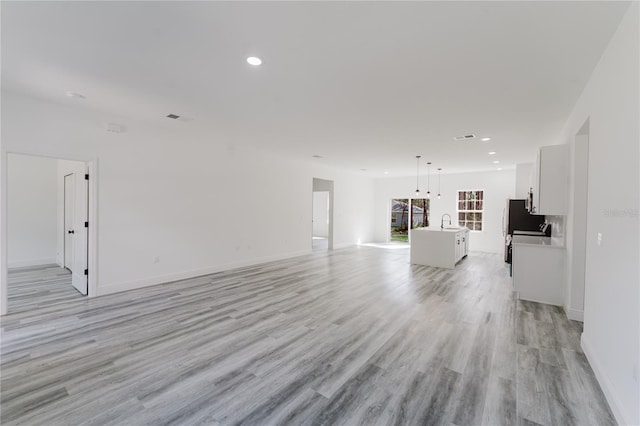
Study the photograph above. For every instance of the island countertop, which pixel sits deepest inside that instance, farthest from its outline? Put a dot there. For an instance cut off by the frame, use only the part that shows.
(445, 229)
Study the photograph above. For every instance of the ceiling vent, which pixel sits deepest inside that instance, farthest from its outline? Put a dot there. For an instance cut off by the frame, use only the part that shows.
(317, 156)
(465, 137)
(175, 117)
(115, 128)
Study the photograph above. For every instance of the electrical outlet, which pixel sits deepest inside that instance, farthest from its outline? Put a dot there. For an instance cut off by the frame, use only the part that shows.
(156, 259)
(599, 239)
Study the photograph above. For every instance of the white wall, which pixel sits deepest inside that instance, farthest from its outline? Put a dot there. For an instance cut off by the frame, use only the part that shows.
(164, 193)
(32, 210)
(610, 102)
(498, 186)
(321, 214)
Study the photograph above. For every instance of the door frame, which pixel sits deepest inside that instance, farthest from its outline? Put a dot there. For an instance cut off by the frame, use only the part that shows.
(313, 219)
(577, 263)
(92, 255)
(323, 185)
(64, 220)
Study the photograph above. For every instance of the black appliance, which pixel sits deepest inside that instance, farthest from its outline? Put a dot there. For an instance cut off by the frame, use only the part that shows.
(516, 217)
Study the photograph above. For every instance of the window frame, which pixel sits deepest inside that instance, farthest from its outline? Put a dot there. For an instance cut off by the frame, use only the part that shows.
(482, 199)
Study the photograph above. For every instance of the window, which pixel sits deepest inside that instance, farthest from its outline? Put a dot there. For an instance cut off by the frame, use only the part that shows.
(400, 219)
(470, 205)
(408, 213)
(419, 212)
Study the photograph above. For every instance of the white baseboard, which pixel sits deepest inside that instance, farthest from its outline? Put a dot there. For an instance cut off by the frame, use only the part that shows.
(546, 302)
(104, 289)
(574, 314)
(32, 262)
(605, 384)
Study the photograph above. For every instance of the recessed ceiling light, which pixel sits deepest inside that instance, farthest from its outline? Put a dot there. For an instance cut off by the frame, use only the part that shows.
(75, 95)
(499, 168)
(492, 153)
(485, 139)
(496, 162)
(254, 60)
(386, 172)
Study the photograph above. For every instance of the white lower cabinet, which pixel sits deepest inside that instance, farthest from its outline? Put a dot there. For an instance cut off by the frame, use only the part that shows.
(462, 244)
(465, 242)
(538, 271)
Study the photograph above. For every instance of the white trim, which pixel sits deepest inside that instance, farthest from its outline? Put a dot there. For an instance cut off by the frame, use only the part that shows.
(164, 279)
(32, 262)
(575, 314)
(546, 302)
(92, 255)
(606, 386)
(3, 233)
(3, 223)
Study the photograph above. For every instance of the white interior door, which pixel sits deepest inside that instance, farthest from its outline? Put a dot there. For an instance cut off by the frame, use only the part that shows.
(80, 234)
(68, 231)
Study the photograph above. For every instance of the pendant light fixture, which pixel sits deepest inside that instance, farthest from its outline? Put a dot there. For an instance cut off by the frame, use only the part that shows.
(439, 172)
(429, 179)
(418, 176)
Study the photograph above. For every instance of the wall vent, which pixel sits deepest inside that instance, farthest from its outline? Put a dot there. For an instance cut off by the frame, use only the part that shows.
(175, 117)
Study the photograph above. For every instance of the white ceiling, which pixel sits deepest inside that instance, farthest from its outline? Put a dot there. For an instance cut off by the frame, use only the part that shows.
(363, 84)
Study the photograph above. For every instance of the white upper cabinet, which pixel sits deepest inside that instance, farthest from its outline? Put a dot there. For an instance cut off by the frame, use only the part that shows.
(551, 181)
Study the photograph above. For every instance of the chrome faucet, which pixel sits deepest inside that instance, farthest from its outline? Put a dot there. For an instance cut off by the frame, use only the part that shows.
(442, 220)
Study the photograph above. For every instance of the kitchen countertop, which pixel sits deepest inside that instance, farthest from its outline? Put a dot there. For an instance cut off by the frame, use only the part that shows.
(445, 229)
(530, 240)
(532, 233)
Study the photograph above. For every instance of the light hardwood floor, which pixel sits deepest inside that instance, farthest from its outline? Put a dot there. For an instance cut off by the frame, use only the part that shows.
(353, 336)
(40, 286)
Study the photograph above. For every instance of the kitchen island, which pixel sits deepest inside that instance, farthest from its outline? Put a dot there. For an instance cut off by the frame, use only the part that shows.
(441, 247)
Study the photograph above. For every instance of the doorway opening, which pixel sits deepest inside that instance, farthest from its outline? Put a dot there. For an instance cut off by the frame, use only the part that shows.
(47, 229)
(322, 215)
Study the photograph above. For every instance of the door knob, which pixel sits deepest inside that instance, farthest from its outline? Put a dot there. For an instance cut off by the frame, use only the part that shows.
(71, 231)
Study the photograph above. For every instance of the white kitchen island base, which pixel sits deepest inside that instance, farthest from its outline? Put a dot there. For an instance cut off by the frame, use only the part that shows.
(439, 247)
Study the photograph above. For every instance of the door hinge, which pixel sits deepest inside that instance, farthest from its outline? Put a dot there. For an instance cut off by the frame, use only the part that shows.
(86, 177)
(86, 224)
(86, 272)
